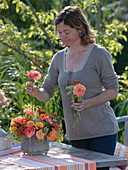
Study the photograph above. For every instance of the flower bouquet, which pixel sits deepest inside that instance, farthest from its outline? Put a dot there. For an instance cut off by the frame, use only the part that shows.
(38, 125)
(76, 91)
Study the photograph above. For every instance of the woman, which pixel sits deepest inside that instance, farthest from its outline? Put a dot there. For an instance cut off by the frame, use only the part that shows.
(89, 63)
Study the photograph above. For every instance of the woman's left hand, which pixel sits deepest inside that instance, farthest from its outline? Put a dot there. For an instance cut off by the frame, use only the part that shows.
(79, 106)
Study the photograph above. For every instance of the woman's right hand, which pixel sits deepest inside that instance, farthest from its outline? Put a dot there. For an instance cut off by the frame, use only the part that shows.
(31, 89)
(37, 92)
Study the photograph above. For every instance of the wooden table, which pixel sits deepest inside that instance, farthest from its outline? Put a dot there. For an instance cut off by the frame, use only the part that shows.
(102, 160)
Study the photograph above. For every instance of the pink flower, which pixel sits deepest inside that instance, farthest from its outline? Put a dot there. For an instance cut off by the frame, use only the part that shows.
(29, 112)
(29, 132)
(79, 90)
(3, 99)
(35, 75)
(40, 134)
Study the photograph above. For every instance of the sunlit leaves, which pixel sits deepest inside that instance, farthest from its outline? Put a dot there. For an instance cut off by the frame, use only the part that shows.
(4, 4)
(121, 97)
(9, 34)
(124, 37)
(121, 108)
(23, 10)
(110, 36)
(91, 5)
(125, 75)
(15, 1)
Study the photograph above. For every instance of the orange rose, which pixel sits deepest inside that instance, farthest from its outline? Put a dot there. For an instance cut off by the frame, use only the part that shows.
(18, 121)
(43, 116)
(52, 135)
(79, 90)
(29, 112)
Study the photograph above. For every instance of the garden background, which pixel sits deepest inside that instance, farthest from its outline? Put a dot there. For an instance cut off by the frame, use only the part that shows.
(27, 41)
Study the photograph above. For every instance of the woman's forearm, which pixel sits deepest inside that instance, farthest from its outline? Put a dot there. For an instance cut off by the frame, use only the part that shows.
(42, 95)
(101, 98)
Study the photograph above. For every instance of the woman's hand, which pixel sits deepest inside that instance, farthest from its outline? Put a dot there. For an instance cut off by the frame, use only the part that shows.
(81, 105)
(31, 89)
(39, 93)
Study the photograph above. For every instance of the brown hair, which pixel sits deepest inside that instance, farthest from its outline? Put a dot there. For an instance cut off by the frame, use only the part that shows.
(74, 17)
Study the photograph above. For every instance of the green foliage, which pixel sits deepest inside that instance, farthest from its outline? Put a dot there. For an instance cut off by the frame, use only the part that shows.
(115, 32)
(28, 42)
(12, 81)
(121, 107)
(120, 104)
(4, 4)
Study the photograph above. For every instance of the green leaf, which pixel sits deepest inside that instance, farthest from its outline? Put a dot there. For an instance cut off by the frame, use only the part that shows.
(124, 37)
(125, 28)
(125, 75)
(17, 9)
(15, 1)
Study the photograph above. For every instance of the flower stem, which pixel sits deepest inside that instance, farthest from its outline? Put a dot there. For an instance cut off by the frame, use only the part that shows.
(32, 103)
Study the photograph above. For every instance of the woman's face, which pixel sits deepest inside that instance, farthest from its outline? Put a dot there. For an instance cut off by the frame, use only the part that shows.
(68, 35)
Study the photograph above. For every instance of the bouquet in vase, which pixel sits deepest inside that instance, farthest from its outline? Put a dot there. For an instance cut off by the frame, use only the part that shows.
(39, 124)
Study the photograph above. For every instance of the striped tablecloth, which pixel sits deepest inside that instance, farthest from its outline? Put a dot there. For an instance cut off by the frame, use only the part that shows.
(51, 161)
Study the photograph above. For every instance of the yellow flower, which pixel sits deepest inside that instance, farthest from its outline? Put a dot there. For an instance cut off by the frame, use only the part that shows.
(40, 134)
(13, 128)
(30, 123)
(39, 125)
